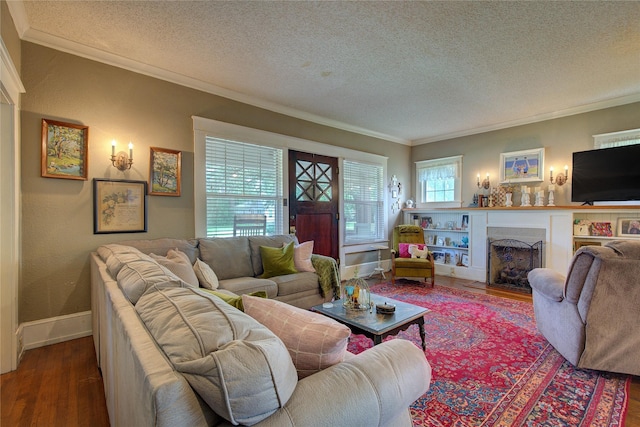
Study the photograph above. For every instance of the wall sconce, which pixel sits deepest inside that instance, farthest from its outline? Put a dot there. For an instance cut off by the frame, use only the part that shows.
(485, 182)
(121, 161)
(560, 179)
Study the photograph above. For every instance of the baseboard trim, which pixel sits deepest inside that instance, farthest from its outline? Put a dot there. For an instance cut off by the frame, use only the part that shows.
(54, 330)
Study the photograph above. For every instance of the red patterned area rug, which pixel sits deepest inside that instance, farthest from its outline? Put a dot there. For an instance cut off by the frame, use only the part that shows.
(492, 368)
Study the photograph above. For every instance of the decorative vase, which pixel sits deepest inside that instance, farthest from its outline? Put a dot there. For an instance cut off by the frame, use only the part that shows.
(509, 202)
(356, 294)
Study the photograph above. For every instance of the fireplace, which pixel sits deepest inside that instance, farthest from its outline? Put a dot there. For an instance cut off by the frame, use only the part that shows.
(512, 254)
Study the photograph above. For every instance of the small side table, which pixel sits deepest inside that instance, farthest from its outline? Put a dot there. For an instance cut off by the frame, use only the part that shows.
(379, 268)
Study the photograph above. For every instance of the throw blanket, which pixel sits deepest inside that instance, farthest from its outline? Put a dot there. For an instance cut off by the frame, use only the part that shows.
(614, 304)
(327, 271)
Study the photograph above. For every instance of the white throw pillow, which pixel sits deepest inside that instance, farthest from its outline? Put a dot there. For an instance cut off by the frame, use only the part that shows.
(179, 264)
(302, 256)
(206, 276)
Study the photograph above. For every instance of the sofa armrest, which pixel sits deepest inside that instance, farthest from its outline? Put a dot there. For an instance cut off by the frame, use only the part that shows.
(374, 388)
(548, 283)
(328, 275)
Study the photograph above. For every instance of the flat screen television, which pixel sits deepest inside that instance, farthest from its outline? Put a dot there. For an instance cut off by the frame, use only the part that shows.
(608, 174)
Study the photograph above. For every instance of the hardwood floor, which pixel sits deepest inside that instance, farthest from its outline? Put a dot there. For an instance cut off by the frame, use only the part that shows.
(56, 385)
(60, 384)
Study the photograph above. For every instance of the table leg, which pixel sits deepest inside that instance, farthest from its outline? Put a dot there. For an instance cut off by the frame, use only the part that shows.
(377, 339)
(421, 326)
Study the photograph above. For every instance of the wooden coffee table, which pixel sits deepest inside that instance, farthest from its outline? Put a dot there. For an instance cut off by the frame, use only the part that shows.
(377, 326)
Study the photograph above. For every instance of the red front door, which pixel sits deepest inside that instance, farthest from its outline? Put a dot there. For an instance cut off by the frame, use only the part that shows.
(313, 200)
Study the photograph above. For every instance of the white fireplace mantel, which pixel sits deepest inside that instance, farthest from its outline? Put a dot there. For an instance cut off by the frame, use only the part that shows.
(558, 242)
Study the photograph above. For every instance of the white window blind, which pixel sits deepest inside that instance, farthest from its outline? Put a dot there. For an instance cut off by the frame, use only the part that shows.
(242, 179)
(363, 202)
(617, 139)
(438, 181)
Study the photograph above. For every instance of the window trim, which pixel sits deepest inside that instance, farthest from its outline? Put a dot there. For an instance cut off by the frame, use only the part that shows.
(457, 202)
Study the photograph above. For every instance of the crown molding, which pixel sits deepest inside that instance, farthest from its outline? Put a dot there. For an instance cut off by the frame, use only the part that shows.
(34, 36)
(608, 103)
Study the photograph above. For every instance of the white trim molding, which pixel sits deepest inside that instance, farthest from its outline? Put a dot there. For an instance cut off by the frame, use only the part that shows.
(53, 330)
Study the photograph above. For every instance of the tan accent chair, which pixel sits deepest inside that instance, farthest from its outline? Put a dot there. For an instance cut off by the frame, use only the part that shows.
(410, 267)
(591, 316)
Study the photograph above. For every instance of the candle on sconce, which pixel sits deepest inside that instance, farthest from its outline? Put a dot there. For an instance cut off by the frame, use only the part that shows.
(551, 173)
(478, 182)
(113, 147)
(130, 150)
(566, 171)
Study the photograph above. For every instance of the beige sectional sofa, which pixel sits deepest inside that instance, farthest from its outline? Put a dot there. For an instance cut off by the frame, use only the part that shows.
(174, 355)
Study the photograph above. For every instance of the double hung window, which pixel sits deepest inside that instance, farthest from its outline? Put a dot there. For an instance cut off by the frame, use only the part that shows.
(242, 179)
(364, 219)
(438, 182)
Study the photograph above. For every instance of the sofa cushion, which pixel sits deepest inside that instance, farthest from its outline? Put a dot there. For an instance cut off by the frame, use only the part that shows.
(314, 341)
(205, 274)
(245, 285)
(238, 367)
(116, 256)
(289, 284)
(276, 241)
(302, 256)
(228, 257)
(277, 261)
(135, 277)
(179, 264)
(163, 245)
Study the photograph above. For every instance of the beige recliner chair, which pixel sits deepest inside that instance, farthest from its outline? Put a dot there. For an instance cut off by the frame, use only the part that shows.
(592, 317)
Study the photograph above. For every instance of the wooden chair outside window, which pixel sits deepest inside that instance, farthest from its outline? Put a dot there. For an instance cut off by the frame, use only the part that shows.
(249, 225)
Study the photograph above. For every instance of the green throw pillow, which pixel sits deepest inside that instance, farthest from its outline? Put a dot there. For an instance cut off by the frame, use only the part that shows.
(235, 300)
(277, 261)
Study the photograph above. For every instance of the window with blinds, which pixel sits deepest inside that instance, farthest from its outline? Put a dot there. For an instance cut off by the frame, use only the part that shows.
(242, 179)
(617, 139)
(438, 182)
(363, 202)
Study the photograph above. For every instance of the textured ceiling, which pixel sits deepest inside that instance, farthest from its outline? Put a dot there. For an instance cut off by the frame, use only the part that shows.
(411, 72)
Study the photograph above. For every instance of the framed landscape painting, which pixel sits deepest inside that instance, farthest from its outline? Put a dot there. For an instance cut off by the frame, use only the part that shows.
(64, 150)
(522, 166)
(164, 172)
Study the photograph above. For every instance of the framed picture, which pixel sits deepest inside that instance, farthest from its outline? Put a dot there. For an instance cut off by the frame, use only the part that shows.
(629, 227)
(64, 152)
(465, 222)
(426, 222)
(119, 206)
(439, 257)
(522, 166)
(165, 172)
(464, 260)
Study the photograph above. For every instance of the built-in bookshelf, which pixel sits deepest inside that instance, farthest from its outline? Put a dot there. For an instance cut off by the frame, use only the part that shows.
(446, 233)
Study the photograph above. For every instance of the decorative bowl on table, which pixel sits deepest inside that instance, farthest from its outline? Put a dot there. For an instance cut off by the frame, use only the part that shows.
(385, 308)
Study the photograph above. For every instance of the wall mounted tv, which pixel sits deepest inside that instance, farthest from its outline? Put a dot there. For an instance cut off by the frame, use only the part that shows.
(608, 174)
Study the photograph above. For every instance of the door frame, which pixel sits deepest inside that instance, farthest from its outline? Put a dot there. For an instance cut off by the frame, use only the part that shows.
(10, 224)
